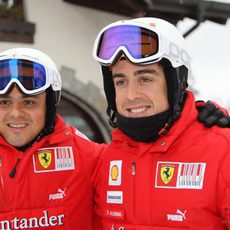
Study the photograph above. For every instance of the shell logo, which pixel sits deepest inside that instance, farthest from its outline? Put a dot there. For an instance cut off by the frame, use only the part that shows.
(114, 172)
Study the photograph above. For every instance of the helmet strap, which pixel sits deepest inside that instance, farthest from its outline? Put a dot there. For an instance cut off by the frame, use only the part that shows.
(181, 75)
(112, 117)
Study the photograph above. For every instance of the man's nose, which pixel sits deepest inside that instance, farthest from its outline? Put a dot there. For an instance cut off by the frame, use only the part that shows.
(16, 110)
(133, 91)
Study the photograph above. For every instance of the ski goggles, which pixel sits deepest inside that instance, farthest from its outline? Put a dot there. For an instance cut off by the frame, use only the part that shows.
(139, 44)
(30, 76)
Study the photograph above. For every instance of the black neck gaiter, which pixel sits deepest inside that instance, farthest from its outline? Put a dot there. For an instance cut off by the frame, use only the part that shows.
(144, 129)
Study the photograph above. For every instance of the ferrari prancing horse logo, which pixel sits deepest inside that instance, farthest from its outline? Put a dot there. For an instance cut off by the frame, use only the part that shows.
(45, 158)
(167, 172)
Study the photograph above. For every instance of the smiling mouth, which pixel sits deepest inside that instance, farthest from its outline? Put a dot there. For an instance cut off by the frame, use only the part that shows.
(17, 126)
(138, 110)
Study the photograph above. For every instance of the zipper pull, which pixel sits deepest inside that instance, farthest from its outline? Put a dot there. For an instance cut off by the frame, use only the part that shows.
(13, 171)
(134, 168)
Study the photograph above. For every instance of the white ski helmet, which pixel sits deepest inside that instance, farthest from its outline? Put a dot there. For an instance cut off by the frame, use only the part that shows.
(17, 63)
(144, 41)
(164, 41)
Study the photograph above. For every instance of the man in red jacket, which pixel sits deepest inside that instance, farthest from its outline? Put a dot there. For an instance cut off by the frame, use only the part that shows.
(163, 169)
(45, 167)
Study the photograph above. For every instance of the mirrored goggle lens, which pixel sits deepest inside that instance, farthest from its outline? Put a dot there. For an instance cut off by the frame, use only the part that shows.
(30, 74)
(139, 42)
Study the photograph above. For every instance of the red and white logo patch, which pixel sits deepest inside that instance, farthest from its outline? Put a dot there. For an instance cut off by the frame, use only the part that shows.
(53, 159)
(180, 175)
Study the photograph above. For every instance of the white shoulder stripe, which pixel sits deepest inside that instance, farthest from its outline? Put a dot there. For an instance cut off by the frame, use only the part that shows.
(80, 134)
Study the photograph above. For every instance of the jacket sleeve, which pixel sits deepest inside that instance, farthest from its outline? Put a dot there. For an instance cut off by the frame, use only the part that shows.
(224, 185)
(98, 184)
(90, 152)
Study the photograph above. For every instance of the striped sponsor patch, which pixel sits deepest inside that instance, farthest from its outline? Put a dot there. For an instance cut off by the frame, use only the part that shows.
(180, 175)
(53, 159)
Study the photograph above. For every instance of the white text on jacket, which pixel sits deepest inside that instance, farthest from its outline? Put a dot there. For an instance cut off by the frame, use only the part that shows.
(33, 222)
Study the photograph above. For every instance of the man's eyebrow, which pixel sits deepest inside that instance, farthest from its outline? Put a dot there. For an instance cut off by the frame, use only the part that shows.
(22, 96)
(4, 96)
(30, 96)
(118, 75)
(145, 71)
(138, 72)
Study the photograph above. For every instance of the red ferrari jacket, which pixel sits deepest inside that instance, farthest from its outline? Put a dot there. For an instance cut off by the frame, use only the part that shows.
(180, 181)
(51, 188)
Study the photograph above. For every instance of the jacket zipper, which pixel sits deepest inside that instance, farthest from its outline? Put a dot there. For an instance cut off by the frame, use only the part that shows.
(134, 187)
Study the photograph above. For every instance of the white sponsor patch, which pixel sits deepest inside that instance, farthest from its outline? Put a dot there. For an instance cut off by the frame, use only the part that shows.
(180, 175)
(114, 197)
(115, 171)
